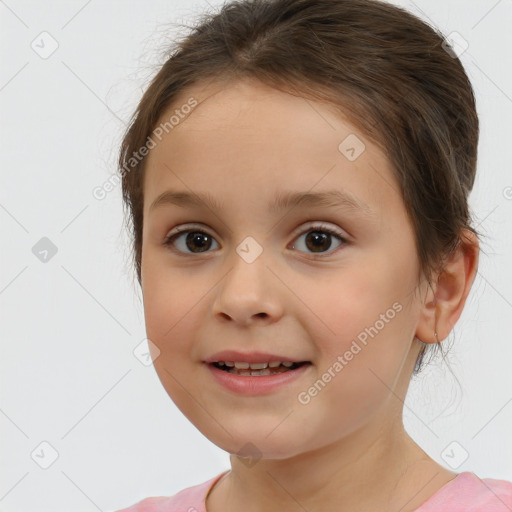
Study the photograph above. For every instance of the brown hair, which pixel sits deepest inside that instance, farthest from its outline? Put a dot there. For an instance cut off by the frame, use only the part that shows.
(386, 70)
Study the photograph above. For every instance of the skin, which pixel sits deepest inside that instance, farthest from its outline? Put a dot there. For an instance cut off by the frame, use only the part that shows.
(346, 449)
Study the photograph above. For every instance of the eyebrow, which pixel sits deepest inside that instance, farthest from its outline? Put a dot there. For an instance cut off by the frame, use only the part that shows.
(281, 201)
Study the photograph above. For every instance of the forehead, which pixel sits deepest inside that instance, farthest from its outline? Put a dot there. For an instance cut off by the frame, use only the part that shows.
(254, 135)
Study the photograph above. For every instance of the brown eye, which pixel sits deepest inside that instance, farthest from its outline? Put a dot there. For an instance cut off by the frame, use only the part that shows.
(195, 241)
(319, 239)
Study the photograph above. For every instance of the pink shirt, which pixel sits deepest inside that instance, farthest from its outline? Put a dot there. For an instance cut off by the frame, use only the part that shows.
(465, 493)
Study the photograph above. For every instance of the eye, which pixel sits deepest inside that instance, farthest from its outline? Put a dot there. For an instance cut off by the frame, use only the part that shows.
(318, 238)
(199, 241)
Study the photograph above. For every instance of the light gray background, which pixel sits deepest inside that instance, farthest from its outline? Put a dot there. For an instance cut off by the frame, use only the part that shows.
(69, 326)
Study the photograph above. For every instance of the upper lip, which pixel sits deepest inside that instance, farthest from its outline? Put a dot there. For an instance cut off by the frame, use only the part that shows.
(249, 357)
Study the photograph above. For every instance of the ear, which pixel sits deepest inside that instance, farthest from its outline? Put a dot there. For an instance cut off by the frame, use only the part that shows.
(443, 305)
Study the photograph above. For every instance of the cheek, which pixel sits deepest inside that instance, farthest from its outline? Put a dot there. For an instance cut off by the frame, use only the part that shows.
(174, 300)
(170, 308)
(367, 320)
(358, 368)
(169, 298)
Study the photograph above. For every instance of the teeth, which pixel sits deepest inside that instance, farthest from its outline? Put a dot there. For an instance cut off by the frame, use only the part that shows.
(241, 365)
(258, 366)
(261, 372)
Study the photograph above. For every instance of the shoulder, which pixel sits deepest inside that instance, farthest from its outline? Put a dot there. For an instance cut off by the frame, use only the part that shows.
(469, 493)
(191, 499)
(494, 493)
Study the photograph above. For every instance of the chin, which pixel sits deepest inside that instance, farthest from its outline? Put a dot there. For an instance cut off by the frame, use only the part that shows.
(258, 446)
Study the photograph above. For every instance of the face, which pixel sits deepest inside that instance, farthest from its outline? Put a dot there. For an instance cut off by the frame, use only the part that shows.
(330, 283)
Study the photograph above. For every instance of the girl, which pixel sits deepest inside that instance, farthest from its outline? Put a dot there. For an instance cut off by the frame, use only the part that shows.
(297, 178)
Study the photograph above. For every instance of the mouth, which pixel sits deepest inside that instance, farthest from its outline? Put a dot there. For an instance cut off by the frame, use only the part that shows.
(258, 369)
(257, 378)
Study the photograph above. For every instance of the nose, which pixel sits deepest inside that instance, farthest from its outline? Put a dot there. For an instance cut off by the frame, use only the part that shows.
(249, 292)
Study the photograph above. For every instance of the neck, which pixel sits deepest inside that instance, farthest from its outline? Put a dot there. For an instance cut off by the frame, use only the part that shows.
(387, 471)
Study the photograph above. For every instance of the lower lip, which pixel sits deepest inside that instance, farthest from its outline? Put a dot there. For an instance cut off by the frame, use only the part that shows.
(255, 385)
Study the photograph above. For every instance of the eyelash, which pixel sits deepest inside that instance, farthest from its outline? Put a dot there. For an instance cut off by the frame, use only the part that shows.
(318, 227)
